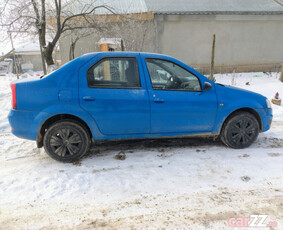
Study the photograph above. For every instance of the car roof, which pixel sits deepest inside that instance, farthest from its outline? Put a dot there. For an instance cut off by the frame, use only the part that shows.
(124, 53)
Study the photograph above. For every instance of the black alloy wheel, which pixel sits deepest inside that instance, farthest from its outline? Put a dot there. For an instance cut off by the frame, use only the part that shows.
(240, 131)
(66, 141)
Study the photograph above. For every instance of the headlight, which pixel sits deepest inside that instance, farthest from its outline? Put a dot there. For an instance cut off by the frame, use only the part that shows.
(268, 103)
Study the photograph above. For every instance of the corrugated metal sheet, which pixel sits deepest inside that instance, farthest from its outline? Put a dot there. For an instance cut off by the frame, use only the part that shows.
(181, 6)
(215, 6)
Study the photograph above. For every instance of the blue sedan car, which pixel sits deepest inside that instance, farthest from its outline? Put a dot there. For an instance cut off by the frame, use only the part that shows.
(127, 95)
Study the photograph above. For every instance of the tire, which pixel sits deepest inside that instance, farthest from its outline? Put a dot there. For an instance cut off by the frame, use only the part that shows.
(240, 131)
(66, 141)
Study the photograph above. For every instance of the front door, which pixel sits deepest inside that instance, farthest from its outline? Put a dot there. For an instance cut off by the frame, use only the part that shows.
(178, 102)
(115, 95)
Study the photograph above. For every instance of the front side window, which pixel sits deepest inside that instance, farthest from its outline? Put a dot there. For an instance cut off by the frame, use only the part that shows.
(115, 72)
(166, 75)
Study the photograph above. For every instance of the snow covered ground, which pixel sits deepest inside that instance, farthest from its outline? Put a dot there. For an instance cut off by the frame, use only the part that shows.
(172, 183)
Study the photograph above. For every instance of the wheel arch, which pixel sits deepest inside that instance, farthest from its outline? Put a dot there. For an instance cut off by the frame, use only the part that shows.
(244, 109)
(58, 117)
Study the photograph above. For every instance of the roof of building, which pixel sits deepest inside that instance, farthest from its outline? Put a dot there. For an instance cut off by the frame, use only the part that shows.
(215, 6)
(260, 7)
(29, 47)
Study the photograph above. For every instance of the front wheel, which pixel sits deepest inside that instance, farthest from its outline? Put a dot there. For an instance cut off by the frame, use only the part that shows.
(66, 141)
(240, 131)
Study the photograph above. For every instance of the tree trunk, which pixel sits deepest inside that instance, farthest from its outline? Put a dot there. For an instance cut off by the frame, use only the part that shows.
(43, 60)
(72, 51)
(48, 54)
(42, 45)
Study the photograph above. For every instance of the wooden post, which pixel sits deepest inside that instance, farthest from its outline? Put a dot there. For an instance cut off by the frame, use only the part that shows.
(211, 77)
(106, 66)
(104, 47)
(122, 74)
(122, 45)
(281, 76)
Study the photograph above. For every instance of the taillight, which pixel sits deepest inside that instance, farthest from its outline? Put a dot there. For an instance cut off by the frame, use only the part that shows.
(14, 96)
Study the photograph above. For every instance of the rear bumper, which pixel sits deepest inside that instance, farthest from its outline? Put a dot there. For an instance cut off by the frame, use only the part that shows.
(25, 124)
(266, 118)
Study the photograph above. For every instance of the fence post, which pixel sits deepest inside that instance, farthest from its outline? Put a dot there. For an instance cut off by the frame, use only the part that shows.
(281, 76)
(211, 77)
(122, 45)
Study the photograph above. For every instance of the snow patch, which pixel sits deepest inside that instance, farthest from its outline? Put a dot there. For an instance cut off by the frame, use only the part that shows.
(171, 183)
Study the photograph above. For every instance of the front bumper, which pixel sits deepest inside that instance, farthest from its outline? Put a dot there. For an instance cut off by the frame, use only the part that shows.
(25, 124)
(266, 116)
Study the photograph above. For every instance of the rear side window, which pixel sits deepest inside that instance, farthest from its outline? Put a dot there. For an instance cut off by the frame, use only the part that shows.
(118, 72)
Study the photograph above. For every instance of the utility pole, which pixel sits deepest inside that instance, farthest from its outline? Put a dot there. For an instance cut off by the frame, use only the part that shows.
(211, 77)
(14, 56)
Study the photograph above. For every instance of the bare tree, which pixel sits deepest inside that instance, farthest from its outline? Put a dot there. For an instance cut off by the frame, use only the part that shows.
(48, 19)
(135, 30)
(138, 34)
(82, 30)
(76, 35)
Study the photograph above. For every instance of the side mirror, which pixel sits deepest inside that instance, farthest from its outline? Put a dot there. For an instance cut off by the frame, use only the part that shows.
(207, 86)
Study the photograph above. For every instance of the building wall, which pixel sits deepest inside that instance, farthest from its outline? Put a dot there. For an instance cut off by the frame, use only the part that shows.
(83, 46)
(34, 59)
(243, 42)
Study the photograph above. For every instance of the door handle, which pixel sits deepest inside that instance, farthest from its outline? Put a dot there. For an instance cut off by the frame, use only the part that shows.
(158, 100)
(88, 98)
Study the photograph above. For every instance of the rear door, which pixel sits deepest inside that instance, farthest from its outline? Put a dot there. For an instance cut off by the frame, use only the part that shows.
(178, 102)
(113, 90)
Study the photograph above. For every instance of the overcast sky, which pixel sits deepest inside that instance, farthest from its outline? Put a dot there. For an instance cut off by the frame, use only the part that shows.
(4, 45)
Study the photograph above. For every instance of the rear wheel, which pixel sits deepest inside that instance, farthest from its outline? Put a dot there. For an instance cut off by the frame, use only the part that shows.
(66, 141)
(240, 131)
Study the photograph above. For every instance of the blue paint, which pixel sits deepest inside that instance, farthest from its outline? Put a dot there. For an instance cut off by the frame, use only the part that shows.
(65, 95)
(129, 113)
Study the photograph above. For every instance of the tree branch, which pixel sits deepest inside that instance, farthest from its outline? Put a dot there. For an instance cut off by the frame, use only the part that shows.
(35, 7)
(43, 21)
(84, 14)
(58, 22)
(281, 4)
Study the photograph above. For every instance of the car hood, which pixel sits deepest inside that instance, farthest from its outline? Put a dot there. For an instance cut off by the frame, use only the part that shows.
(241, 97)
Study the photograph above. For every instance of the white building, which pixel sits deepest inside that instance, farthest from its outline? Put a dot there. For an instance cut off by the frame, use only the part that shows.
(249, 33)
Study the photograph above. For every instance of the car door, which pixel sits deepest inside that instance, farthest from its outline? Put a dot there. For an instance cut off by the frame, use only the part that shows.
(177, 100)
(112, 89)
